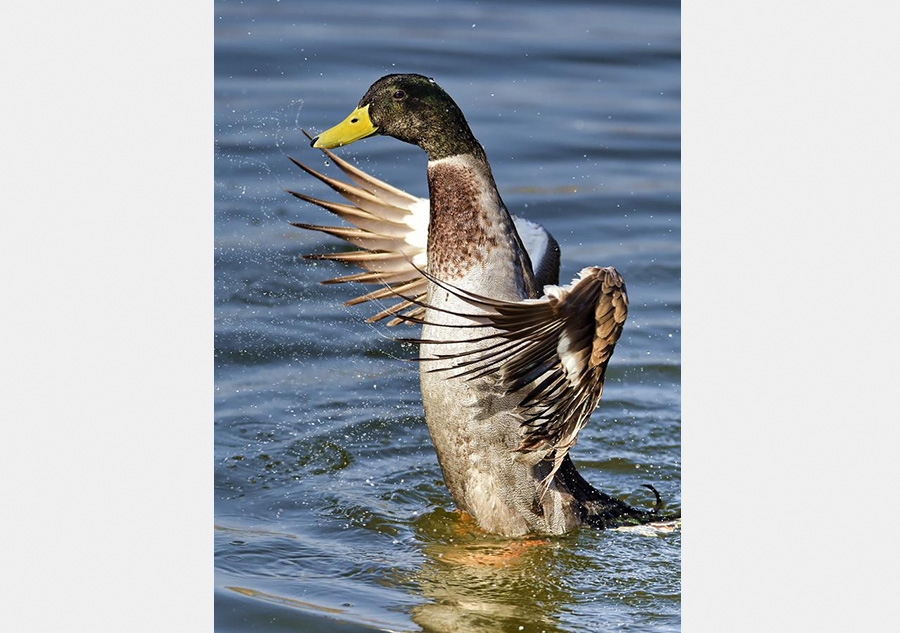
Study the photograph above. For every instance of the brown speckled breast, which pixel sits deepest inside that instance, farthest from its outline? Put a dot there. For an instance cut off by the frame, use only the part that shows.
(469, 226)
(460, 230)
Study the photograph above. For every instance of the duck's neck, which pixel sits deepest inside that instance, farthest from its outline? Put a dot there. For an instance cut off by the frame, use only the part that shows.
(451, 136)
(471, 237)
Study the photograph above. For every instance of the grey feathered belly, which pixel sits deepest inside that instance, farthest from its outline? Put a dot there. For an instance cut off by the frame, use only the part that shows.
(476, 431)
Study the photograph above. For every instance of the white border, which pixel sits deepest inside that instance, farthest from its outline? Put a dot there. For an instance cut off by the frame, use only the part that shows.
(107, 266)
(790, 218)
(790, 242)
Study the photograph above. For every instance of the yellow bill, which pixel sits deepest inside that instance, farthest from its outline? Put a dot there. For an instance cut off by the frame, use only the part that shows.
(356, 126)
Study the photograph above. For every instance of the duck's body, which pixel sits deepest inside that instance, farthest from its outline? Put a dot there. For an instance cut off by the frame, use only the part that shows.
(508, 379)
(475, 430)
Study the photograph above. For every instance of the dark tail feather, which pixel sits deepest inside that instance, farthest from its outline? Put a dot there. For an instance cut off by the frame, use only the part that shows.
(603, 511)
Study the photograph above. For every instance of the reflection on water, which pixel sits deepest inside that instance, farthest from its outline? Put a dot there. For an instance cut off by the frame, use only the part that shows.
(475, 582)
(331, 513)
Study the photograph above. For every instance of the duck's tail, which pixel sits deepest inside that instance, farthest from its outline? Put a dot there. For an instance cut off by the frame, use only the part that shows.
(602, 511)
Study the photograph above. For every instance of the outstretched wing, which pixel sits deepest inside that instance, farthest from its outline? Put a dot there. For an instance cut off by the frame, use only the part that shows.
(391, 228)
(553, 350)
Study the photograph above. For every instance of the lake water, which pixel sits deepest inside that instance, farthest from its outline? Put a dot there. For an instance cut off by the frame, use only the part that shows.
(331, 513)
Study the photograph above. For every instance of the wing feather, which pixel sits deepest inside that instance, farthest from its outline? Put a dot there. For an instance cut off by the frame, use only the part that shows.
(389, 225)
(376, 187)
(554, 350)
(358, 196)
(359, 218)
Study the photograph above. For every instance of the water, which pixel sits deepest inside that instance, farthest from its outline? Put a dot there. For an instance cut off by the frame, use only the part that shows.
(331, 513)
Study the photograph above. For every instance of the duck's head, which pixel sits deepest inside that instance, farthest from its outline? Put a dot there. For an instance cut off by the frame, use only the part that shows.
(412, 108)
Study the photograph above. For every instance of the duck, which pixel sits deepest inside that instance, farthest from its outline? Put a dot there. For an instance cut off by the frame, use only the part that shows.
(511, 363)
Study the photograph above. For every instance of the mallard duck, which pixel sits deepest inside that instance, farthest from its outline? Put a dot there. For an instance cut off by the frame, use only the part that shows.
(512, 364)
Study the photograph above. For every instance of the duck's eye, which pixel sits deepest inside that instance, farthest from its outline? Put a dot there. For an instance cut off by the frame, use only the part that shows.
(399, 95)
